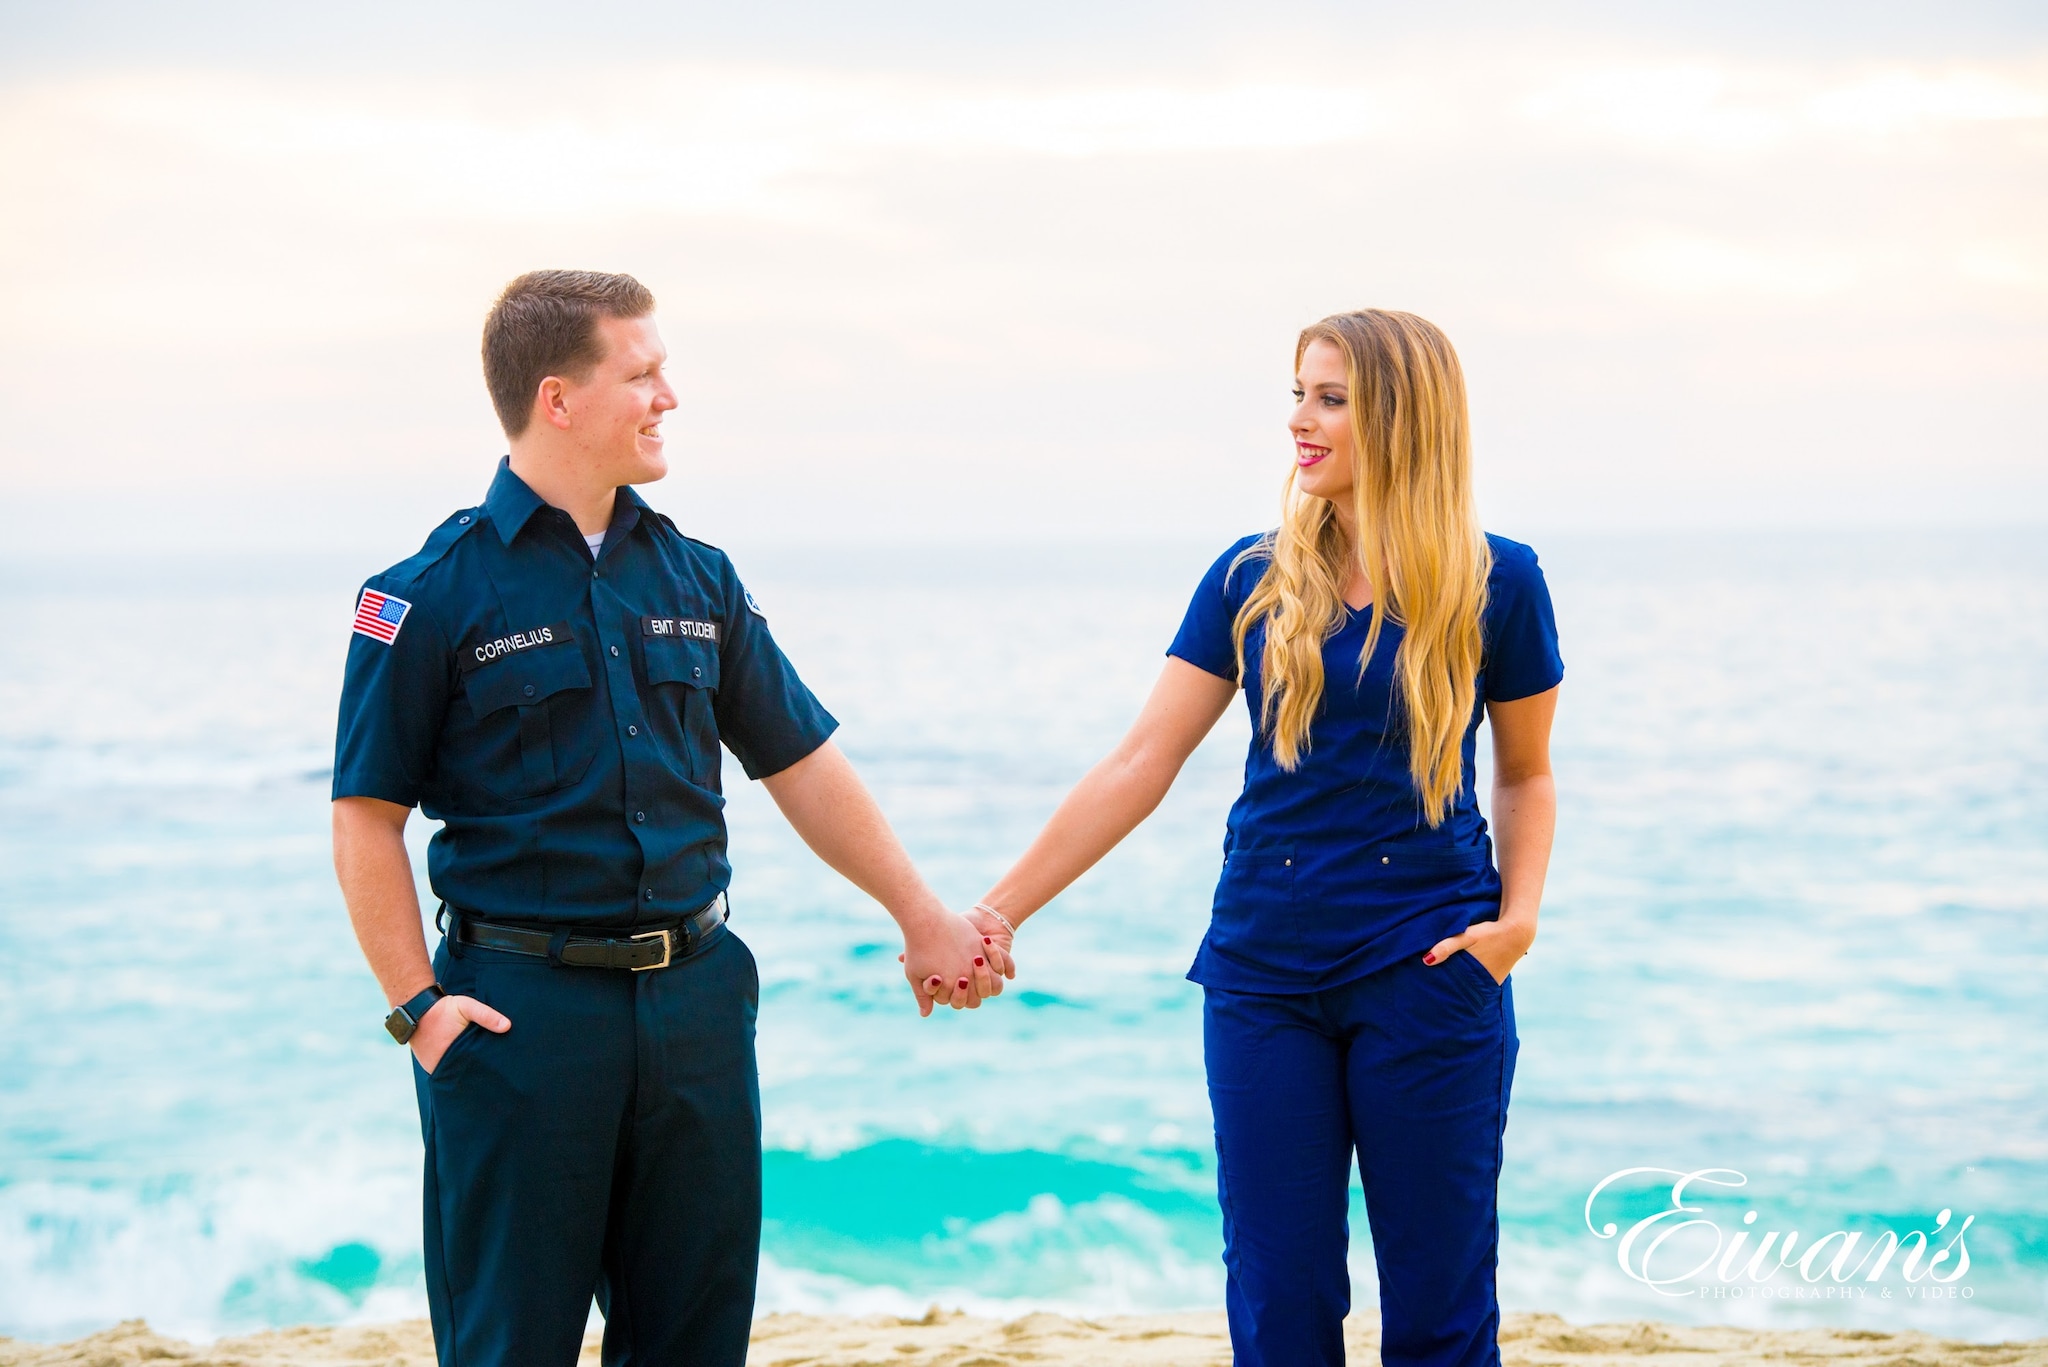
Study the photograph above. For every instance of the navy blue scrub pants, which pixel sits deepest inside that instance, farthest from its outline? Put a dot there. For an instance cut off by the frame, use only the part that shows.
(609, 1144)
(1408, 1067)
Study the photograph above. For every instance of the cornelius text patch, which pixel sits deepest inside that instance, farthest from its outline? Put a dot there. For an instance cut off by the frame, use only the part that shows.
(477, 654)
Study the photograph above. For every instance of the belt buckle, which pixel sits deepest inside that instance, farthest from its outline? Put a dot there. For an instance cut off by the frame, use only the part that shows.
(668, 948)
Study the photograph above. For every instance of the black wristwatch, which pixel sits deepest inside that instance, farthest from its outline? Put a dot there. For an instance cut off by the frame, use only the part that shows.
(404, 1020)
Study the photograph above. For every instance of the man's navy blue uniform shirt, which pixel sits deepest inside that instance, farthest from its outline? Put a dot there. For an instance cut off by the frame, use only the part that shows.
(562, 713)
(1330, 871)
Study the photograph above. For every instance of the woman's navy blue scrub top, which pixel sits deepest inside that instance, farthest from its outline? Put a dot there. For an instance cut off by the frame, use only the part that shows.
(1330, 871)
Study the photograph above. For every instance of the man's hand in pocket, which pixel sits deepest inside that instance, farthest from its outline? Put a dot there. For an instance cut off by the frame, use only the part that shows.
(448, 1018)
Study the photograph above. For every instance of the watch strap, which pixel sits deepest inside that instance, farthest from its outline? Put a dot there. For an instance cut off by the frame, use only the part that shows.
(413, 1011)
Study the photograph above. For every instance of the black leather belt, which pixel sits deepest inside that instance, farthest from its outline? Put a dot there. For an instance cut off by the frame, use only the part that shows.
(639, 951)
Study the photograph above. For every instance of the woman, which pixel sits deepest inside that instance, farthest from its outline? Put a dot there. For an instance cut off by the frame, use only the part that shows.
(1355, 969)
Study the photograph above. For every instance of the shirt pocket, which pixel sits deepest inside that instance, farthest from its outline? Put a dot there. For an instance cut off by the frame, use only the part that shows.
(1405, 869)
(533, 713)
(683, 676)
(1253, 914)
(1415, 854)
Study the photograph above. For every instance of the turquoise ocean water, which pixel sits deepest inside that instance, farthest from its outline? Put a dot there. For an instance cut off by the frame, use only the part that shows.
(1794, 931)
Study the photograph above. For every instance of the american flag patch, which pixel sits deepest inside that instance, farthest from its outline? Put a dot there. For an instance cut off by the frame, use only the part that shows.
(379, 615)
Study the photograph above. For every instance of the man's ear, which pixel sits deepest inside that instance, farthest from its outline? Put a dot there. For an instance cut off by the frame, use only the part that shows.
(551, 402)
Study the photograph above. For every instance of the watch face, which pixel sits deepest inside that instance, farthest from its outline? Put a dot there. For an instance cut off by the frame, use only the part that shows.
(400, 1025)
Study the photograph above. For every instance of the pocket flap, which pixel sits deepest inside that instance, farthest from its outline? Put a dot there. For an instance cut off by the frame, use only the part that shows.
(1415, 853)
(527, 678)
(682, 660)
(1260, 854)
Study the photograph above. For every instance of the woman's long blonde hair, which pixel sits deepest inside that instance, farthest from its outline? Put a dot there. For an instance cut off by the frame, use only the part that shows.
(1419, 543)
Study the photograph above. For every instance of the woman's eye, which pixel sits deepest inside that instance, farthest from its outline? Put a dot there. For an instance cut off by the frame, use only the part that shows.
(1333, 400)
(1297, 396)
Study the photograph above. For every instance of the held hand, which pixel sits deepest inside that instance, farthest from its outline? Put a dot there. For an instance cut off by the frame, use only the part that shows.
(946, 960)
(998, 939)
(446, 1019)
(1497, 945)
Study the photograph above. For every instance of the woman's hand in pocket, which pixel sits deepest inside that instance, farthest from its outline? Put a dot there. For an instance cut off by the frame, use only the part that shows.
(1497, 945)
(446, 1019)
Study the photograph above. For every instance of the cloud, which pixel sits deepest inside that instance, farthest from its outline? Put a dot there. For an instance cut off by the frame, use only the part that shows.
(1902, 99)
(1056, 305)
(1690, 265)
(1720, 106)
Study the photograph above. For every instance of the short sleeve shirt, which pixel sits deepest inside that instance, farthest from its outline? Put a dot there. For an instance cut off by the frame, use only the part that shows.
(561, 712)
(1330, 871)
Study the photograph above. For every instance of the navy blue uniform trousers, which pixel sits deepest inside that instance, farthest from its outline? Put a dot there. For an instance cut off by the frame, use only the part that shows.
(1409, 1068)
(609, 1144)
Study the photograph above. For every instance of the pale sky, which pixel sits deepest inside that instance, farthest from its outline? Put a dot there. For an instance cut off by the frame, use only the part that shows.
(926, 275)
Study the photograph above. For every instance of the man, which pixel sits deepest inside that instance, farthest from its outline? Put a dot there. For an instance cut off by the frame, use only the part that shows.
(552, 676)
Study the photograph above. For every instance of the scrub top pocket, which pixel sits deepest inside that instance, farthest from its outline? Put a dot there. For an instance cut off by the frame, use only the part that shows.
(1402, 856)
(1409, 871)
(1254, 903)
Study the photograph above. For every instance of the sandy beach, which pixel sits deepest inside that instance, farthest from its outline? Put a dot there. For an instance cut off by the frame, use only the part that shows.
(944, 1339)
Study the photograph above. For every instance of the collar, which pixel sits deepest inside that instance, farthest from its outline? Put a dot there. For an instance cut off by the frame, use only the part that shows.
(626, 510)
(512, 503)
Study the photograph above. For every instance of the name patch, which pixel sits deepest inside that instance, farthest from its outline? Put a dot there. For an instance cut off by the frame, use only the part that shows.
(477, 654)
(679, 628)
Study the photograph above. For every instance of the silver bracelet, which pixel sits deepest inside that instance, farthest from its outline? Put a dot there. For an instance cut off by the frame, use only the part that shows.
(983, 906)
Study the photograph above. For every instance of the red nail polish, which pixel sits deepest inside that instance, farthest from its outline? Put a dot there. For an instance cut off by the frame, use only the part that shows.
(963, 982)
(1429, 958)
(978, 961)
(985, 940)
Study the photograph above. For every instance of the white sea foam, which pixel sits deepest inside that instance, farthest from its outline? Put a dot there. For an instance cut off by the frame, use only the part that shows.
(209, 1257)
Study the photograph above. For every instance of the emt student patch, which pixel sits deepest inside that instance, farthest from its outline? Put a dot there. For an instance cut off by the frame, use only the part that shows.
(379, 615)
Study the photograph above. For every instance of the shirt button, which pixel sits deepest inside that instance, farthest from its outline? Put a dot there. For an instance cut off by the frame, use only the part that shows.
(639, 816)
(462, 521)
(615, 650)
(1288, 862)
(632, 730)
(696, 671)
(1383, 859)
(528, 690)
(650, 894)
